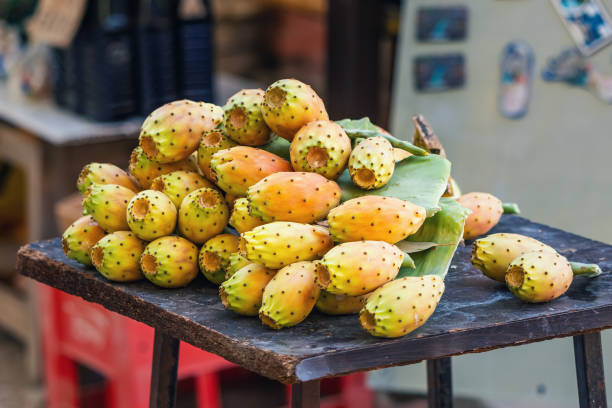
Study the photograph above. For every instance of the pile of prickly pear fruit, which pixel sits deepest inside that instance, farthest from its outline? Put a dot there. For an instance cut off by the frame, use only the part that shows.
(283, 209)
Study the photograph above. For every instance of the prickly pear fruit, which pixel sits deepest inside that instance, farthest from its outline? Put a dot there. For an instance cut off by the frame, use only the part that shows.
(212, 141)
(371, 163)
(104, 173)
(375, 218)
(243, 120)
(238, 168)
(486, 212)
(116, 256)
(321, 147)
(356, 268)
(243, 291)
(331, 304)
(492, 254)
(236, 262)
(278, 244)
(241, 219)
(173, 131)
(399, 307)
(293, 196)
(230, 199)
(145, 170)
(214, 256)
(107, 204)
(202, 215)
(290, 104)
(178, 184)
(170, 262)
(151, 214)
(79, 237)
(290, 296)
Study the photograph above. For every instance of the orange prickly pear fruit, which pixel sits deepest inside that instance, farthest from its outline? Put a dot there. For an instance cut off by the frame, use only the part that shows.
(375, 218)
(144, 170)
(238, 168)
(331, 304)
(104, 173)
(321, 147)
(241, 219)
(170, 262)
(293, 196)
(243, 120)
(173, 131)
(212, 141)
(372, 163)
(356, 268)
(116, 256)
(290, 296)
(278, 244)
(79, 237)
(290, 104)
(214, 256)
(178, 184)
(243, 291)
(151, 214)
(401, 306)
(486, 212)
(107, 204)
(202, 215)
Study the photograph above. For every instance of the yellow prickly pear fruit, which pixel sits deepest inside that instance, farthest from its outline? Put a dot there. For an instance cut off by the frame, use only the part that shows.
(375, 218)
(212, 141)
(144, 170)
(236, 262)
(214, 256)
(107, 204)
(202, 215)
(278, 244)
(151, 214)
(492, 254)
(243, 120)
(173, 131)
(401, 306)
(290, 104)
(230, 199)
(356, 268)
(238, 168)
(243, 291)
(170, 262)
(331, 304)
(290, 296)
(104, 173)
(321, 147)
(293, 196)
(116, 256)
(241, 219)
(372, 163)
(79, 237)
(178, 184)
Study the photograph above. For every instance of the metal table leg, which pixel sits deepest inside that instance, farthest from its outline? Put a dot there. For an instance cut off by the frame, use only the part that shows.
(306, 394)
(163, 375)
(439, 383)
(589, 370)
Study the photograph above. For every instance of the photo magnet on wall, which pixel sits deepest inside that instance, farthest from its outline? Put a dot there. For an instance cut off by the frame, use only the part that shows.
(441, 24)
(516, 68)
(588, 23)
(439, 72)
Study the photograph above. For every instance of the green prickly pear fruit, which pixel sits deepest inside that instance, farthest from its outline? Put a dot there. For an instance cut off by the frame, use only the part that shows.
(293, 196)
(116, 256)
(104, 173)
(321, 147)
(492, 254)
(144, 170)
(241, 219)
(290, 296)
(375, 218)
(170, 262)
(243, 120)
(399, 307)
(202, 215)
(151, 214)
(238, 168)
(173, 131)
(236, 262)
(331, 304)
(214, 256)
(79, 237)
(486, 212)
(371, 163)
(356, 268)
(243, 291)
(107, 204)
(278, 244)
(290, 104)
(212, 142)
(178, 184)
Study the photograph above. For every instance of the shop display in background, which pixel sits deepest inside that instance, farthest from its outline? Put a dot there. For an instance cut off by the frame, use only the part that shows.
(439, 72)
(9, 48)
(588, 23)
(441, 24)
(516, 66)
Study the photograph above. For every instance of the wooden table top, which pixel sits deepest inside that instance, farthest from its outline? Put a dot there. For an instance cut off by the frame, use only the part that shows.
(475, 314)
